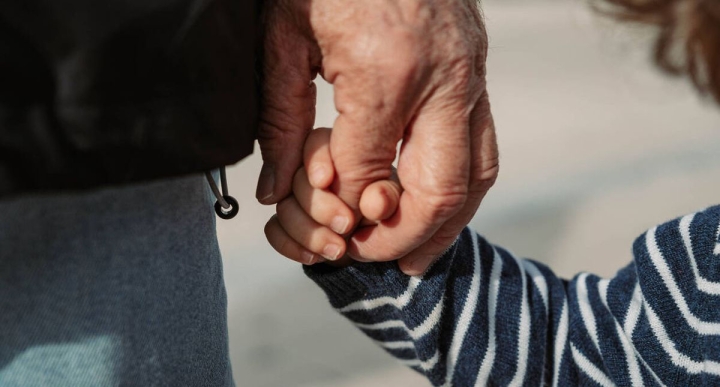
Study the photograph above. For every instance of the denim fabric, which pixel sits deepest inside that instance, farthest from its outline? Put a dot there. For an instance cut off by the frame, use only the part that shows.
(116, 287)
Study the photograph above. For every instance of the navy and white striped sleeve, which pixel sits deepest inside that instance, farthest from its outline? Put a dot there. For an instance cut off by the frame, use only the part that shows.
(480, 316)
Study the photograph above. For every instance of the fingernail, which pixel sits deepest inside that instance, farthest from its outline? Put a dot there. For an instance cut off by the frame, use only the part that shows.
(318, 174)
(339, 224)
(266, 183)
(308, 257)
(331, 252)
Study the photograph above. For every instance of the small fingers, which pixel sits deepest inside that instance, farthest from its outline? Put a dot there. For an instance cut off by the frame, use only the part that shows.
(323, 206)
(308, 233)
(286, 246)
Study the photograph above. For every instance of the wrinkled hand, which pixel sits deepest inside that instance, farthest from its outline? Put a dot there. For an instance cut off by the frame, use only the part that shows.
(410, 70)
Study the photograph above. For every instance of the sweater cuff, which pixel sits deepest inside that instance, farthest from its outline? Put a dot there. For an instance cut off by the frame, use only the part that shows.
(368, 280)
(357, 281)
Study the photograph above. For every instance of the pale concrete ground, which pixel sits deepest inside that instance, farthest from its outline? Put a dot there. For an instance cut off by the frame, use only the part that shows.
(596, 147)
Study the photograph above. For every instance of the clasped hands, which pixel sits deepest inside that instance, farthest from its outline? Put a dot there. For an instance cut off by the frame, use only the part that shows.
(401, 70)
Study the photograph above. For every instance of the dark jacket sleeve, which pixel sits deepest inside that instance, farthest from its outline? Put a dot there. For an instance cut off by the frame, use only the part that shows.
(109, 92)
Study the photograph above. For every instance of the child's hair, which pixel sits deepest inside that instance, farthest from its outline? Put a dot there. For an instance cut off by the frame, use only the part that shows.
(688, 41)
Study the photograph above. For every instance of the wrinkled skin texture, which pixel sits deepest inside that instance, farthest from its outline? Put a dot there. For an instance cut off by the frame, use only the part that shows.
(410, 70)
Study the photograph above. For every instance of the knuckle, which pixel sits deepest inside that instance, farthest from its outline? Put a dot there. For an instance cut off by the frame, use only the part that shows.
(407, 61)
(396, 56)
(463, 77)
(365, 166)
(279, 141)
(440, 206)
(272, 131)
(462, 67)
(283, 206)
(287, 113)
(285, 247)
(486, 167)
(277, 121)
(373, 46)
(363, 175)
(299, 178)
(485, 176)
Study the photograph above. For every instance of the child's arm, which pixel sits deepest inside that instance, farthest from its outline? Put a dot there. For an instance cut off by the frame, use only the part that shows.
(480, 316)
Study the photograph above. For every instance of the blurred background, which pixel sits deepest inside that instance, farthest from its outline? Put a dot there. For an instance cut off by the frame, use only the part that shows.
(596, 146)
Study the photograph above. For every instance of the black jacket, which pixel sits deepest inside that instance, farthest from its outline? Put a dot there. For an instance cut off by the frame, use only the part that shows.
(104, 92)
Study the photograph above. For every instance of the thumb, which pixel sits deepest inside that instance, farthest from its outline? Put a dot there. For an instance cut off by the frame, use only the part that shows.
(380, 199)
(361, 155)
(378, 81)
(288, 106)
(364, 138)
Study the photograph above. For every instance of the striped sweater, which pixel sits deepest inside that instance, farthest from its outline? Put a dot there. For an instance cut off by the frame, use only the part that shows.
(481, 316)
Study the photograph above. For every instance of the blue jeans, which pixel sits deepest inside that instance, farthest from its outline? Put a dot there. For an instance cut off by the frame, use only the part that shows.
(114, 287)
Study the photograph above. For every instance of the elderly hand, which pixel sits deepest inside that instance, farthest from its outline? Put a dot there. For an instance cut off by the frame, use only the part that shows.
(410, 70)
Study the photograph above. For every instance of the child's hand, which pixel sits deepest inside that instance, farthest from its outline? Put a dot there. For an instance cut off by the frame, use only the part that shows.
(310, 225)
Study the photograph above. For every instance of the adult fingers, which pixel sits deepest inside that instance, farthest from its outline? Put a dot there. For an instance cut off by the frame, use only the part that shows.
(484, 171)
(406, 70)
(288, 105)
(434, 166)
(379, 80)
(317, 158)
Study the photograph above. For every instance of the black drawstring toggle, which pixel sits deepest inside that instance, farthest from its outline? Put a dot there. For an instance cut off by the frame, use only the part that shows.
(226, 206)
